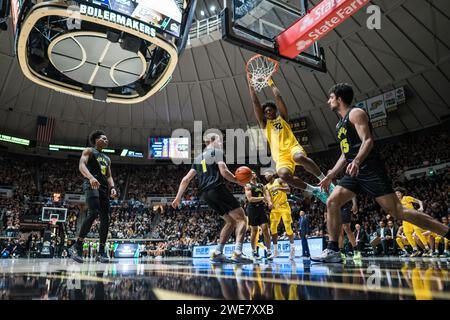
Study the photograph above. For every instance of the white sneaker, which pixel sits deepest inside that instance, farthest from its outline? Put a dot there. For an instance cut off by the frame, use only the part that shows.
(240, 258)
(292, 254)
(328, 256)
(273, 255)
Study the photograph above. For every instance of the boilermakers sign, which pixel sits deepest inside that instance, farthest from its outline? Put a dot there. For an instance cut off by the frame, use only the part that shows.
(117, 19)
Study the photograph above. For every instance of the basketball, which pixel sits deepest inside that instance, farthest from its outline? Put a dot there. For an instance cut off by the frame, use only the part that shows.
(243, 174)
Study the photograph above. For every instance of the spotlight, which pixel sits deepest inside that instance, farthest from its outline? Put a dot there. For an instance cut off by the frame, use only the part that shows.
(202, 13)
(213, 8)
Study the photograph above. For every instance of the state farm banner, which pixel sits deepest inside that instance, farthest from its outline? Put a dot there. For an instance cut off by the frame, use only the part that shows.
(313, 26)
(376, 108)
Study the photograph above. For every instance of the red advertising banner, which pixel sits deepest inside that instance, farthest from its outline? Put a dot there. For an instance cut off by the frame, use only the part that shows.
(323, 18)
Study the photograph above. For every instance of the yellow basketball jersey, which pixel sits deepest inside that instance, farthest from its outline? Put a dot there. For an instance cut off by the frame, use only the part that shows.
(407, 202)
(280, 137)
(278, 197)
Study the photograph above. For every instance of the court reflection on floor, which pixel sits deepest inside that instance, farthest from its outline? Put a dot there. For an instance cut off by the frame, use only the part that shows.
(277, 281)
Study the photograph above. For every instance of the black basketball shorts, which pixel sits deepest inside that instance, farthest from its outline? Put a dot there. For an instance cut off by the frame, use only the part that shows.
(372, 180)
(257, 215)
(220, 199)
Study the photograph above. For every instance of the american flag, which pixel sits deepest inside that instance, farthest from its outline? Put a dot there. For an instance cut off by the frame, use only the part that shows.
(45, 127)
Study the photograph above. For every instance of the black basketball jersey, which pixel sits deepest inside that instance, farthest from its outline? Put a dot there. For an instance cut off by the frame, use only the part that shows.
(208, 172)
(98, 164)
(257, 191)
(349, 139)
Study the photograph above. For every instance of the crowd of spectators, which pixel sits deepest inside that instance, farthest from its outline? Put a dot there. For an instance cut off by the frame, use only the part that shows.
(33, 180)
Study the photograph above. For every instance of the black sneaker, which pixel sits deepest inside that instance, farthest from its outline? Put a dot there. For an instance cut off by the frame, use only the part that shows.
(102, 258)
(75, 254)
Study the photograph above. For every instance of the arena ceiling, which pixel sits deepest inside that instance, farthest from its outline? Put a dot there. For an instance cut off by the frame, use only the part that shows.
(412, 49)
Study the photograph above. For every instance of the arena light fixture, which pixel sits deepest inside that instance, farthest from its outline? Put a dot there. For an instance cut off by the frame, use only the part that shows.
(57, 147)
(119, 52)
(14, 140)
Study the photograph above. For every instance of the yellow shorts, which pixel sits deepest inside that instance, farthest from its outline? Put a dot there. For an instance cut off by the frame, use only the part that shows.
(408, 227)
(287, 160)
(275, 216)
(418, 230)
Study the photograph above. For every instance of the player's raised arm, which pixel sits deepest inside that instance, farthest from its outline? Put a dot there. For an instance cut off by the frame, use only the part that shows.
(360, 120)
(227, 174)
(84, 169)
(257, 108)
(183, 186)
(279, 101)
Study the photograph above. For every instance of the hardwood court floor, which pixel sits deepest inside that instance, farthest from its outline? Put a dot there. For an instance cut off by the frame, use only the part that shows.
(184, 278)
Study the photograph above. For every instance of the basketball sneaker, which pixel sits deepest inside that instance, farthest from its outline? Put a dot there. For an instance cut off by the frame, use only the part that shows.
(273, 255)
(256, 256)
(269, 255)
(292, 253)
(405, 254)
(427, 253)
(75, 254)
(435, 254)
(102, 258)
(416, 253)
(319, 194)
(357, 255)
(328, 256)
(445, 254)
(240, 258)
(218, 258)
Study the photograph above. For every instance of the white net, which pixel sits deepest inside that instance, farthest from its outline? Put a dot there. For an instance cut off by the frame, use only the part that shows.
(259, 70)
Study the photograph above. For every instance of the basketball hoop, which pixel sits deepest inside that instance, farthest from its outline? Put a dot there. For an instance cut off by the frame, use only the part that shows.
(259, 70)
(53, 221)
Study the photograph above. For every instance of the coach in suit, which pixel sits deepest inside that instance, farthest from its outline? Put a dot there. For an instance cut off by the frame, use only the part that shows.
(385, 236)
(304, 229)
(361, 238)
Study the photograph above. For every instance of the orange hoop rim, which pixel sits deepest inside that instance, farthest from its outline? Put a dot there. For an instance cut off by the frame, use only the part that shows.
(256, 56)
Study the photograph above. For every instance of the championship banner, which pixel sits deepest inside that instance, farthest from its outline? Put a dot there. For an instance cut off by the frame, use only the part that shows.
(377, 110)
(400, 95)
(390, 100)
(315, 25)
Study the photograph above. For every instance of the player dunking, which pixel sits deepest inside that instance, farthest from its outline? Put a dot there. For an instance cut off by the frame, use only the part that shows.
(212, 172)
(98, 186)
(285, 149)
(365, 171)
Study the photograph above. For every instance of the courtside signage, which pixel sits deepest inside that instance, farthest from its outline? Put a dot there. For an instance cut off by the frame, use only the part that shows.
(323, 18)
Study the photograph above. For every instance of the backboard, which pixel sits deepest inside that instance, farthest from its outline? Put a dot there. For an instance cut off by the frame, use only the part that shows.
(254, 25)
(50, 212)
